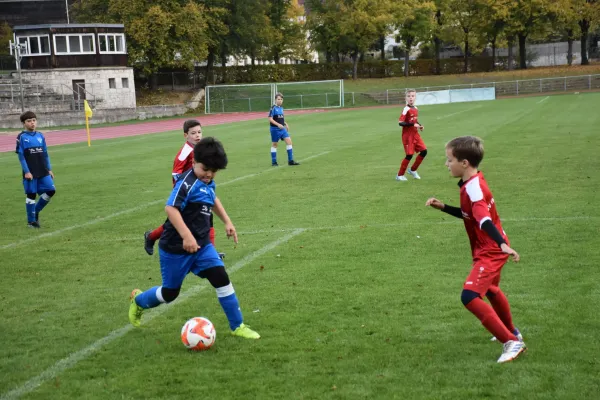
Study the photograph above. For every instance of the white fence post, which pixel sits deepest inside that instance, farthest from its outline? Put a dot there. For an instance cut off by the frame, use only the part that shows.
(301, 103)
(387, 96)
(249, 104)
(517, 87)
(590, 82)
(326, 100)
(352, 98)
(565, 83)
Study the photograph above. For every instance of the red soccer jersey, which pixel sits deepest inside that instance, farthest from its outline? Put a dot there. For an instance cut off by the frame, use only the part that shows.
(410, 114)
(477, 206)
(183, 161)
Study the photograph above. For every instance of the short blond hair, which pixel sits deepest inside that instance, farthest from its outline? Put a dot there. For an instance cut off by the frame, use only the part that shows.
(468, 148)
(278, 94)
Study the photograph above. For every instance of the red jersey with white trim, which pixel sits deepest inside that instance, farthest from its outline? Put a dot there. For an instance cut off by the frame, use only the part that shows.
(477, 206)
(410, 114)
(184, 160)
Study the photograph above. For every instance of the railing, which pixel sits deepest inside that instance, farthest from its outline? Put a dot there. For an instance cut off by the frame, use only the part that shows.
(36, 95)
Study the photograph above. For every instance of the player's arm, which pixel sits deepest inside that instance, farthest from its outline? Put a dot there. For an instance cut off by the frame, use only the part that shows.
(189, 241)
(435, 203)
(21, 155)
(482, 215)
(47, 158)
(219, 210)
(277, 124)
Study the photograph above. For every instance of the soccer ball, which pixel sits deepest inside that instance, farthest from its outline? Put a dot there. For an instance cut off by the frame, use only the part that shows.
(198, 334)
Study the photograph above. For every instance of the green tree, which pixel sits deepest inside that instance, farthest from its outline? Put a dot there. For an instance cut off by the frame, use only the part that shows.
(492, 21)
(465, 15)
(527, 16)
(288, 36)
(414, 22)
(6, 36)
(588, 12)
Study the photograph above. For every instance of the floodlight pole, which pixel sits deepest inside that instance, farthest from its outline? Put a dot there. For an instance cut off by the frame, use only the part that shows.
(18, 57)
(67, 7)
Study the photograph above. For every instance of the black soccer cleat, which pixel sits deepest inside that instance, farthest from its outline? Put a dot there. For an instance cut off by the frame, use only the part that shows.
(37, 217)
(221, 255)
(33, 224)
(274, 164)
(148, 243)
(293, 163)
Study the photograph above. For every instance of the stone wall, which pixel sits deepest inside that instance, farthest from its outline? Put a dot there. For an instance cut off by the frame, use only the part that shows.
(97, 84)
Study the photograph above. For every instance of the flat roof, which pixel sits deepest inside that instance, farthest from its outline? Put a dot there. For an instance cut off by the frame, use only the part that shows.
(50, 26)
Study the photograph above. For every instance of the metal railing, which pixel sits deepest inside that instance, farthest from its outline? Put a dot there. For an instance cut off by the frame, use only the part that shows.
(45, 95)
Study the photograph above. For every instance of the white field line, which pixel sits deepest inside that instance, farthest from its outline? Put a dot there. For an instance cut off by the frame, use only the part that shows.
(543, 100)
(131, 210)
(84, 353)
(458, 112)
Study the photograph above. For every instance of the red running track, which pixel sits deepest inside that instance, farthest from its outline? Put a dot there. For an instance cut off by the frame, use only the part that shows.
(53, 138)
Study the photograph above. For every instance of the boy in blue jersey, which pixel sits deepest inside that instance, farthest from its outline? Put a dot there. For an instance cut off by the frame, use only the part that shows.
(185, 245)
(35, 164)
(279, 131)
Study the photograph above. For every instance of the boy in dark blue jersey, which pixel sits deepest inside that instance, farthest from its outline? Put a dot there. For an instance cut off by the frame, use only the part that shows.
(185, 245)
(38, 177)
(279, 131)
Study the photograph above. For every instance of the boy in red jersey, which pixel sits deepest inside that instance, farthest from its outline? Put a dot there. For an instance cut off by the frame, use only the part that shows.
(489, 244)
(411, 139)
(184, 160)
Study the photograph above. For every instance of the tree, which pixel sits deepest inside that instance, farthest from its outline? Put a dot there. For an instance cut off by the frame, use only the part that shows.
(527, 16)
(414, 24)
(465, 15)
(288, 38)
(156, 36)
(6, 36)
(324, 32)
(588, 12)
(493, 19)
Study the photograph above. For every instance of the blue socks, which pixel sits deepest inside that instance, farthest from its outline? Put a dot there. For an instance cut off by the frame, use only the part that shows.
(41, 203)
(273, 155)
(149, 298)
(290, 152)
(230, 305)
(30, 207)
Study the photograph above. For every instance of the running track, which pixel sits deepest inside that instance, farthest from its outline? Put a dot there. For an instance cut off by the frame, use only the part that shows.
(53, 138)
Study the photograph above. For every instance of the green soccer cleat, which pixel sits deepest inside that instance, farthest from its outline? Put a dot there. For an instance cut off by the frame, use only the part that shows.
(245, 332)
(135, 311)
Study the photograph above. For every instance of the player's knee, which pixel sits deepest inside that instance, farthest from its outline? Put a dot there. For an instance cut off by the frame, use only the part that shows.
(169, 294)
(492, 291)
(217, 276)
(50, 193)
(423, 153)
(31, 196)
(408, 157)
(468, 296)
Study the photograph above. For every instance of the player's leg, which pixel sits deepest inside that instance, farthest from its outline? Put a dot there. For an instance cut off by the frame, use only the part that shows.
(208, 265)
(274, 142)
(150, 237)
(288, 146)
(173, 268)
(422, 150)
(46, 190)
(409, 150)
(30, 187)
(499, 302)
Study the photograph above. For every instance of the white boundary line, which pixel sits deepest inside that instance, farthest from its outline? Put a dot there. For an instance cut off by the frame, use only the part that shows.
(84, 353)
(544, 99)
(458, 112)
(134, 209)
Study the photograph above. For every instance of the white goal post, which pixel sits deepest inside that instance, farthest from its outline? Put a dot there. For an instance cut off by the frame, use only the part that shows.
(261, 96)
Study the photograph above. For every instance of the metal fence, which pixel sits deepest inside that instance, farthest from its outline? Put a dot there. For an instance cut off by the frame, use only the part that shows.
(45, 97)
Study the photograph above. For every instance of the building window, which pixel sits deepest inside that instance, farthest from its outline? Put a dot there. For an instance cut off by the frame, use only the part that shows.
(74, 44)
(125, 83)
(35, 45)
(112, 84)
(111, 43)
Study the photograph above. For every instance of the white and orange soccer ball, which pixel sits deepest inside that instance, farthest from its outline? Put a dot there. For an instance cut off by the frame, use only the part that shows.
(198, 334)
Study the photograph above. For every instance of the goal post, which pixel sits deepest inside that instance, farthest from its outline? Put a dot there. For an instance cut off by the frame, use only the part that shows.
(261, 96)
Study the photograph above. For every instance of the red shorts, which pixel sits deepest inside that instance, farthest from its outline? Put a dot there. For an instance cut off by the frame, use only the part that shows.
(413, 143)
(484, 274)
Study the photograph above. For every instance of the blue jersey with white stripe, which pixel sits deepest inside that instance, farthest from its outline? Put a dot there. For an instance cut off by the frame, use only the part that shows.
(277, 114)
(33, 154)
(195, 200)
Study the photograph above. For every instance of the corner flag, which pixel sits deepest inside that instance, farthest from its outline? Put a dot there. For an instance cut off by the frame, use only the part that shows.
(88, 114)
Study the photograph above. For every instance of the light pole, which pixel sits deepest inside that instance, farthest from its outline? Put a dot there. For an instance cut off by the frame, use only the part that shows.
(67, 7)
(18, 48)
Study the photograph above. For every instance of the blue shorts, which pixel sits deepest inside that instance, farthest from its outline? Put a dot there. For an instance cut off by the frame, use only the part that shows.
(175, 267)
(39, 185)
(278, 134)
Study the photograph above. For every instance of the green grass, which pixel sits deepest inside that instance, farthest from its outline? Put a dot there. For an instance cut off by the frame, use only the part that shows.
(363, 303)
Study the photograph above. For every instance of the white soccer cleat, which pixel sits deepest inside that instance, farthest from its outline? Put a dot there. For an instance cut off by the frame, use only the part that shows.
(401, 178)
(414, 174)
(511, 350)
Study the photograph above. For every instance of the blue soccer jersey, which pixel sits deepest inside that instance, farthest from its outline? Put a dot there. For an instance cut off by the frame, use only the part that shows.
(277, 114)
(195, 200)
(33, 154)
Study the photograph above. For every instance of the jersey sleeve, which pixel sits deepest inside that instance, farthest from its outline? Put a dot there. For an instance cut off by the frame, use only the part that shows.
(404, 115)
(181, 162)
(21, 155)
(271, 112)
(479, 206)
(46, 155)
(180, 193)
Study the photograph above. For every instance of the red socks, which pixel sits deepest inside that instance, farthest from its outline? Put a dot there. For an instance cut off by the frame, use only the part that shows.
(417, 162)
(490, 320)
(155, 234)
(403, 167)
(500, 303)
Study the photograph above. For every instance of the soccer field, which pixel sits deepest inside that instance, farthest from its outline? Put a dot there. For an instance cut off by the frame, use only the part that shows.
(353, 284)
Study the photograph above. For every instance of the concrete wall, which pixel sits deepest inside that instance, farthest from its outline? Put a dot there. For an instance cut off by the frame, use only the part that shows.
(96, 84)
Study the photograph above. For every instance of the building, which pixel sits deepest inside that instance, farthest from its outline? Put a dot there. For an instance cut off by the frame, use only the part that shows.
(69, 63)
(24, 12)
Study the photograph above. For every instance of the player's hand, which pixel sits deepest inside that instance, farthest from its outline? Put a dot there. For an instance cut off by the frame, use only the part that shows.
(231, 232)
(515, 256)
(28, 176)
(418, 126)
(51, 174)
(281, 126)
(421, 127)
(435, 203)
(190, 244)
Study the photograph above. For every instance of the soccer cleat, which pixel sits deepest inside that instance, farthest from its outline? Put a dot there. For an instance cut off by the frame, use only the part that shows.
(274, 164)
(221, 255)
(516, 332)
(135, 311)
(33, 224)
(401, 178)
(511, 350)
(293, 163)
(245, 332)
(414, 174)
(148, 243)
